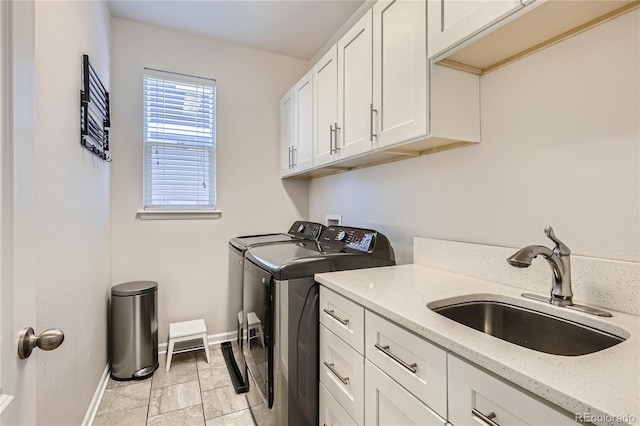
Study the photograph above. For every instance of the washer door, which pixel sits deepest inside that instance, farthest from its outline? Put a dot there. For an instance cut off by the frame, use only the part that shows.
(257, 345)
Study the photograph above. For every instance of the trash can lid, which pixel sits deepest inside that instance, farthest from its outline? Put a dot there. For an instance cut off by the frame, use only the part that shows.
(134, 288)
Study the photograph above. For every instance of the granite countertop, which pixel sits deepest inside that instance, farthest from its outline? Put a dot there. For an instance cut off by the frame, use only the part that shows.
(605, 382)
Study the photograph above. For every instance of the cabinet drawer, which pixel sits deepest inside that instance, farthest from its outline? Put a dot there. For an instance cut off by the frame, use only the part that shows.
(344, 317)
(416, 364)
(474, 393)
(388, 403)
(331, 413)
(342, 373)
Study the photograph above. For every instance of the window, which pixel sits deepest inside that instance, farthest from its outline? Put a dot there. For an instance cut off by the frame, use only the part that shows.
(179, 114)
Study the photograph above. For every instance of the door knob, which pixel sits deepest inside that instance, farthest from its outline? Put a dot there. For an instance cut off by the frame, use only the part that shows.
(47, 340)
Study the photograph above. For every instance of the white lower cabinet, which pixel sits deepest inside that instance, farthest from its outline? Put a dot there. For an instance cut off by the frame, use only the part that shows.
(476, 397)
(403, 379)
(414, 363)
(342, 373)
(388, 403)
(343, 317)
(331, 412)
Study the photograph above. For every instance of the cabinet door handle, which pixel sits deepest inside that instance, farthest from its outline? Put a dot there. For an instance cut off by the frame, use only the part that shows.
(331, 131)
(486, 418)
(335, 317)
(371, 134)
(293, 157)
(289, 158)
(344, 380)
(385, 350)
(335, 136)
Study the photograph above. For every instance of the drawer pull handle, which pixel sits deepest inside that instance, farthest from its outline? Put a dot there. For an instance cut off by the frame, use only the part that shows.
(487, 418)
(385, 350)
(337, 318)
(344, 380)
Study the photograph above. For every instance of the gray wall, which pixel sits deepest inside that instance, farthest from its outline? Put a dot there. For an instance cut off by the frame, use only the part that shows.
(560, 146)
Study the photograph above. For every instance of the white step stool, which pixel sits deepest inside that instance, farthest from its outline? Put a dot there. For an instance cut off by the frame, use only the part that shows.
(184, 331)
(255, 324)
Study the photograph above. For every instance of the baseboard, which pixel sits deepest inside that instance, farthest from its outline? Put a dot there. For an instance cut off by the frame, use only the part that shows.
(214, 339)
(97, 397)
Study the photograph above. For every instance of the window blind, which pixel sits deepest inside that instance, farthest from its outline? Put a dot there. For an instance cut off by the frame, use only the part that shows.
(179, 141)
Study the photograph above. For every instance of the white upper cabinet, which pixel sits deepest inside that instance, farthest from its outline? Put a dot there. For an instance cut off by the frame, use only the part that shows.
(296, 127)
(325, 99)
(287, 129)
(400, 71)
(405, 79)
(481, 36)
(303, 142)
(417, 106)
(377, 98)
(354, 89)
(452, 21)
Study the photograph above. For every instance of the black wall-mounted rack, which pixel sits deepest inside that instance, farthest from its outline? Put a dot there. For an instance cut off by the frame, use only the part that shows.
(95, 120)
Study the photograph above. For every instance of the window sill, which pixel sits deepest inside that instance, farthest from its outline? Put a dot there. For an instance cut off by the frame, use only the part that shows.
(178, 214)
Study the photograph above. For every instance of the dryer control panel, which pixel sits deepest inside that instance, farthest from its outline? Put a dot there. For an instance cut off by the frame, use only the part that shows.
(352, 238)
(309, 230)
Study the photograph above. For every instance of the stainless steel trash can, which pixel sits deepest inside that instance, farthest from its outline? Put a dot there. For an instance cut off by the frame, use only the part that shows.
(134, 330)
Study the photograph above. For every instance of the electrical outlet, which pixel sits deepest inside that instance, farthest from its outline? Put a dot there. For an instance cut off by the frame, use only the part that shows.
(334, 219)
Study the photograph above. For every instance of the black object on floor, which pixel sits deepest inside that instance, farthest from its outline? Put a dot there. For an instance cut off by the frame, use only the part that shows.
(238, 385)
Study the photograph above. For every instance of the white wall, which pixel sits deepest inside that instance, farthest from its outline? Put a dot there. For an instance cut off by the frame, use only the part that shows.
(560, 146)
(188, 258)
(72, 223)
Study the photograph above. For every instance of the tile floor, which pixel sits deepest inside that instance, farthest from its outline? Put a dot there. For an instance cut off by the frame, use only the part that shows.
(191, 393)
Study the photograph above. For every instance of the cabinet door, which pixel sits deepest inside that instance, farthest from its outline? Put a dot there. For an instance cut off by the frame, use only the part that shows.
(474, 393)
(325, 95)
(400, 71)
(453, 21)
(388, 403)
(354, 88)
(332, 413)
(302, 155)
(286, 132)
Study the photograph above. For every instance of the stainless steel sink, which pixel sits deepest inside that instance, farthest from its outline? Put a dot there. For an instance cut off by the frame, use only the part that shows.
(530, 329)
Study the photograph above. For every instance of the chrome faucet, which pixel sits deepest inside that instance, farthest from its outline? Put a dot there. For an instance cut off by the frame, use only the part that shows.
(560, 261)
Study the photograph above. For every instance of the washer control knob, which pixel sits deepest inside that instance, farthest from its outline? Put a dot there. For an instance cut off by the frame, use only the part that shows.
(341, 235)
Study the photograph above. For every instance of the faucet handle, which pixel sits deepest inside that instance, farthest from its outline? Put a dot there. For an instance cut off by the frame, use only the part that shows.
(561, 248)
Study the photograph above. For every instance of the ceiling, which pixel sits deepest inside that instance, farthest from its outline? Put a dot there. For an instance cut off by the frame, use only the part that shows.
(296, 28)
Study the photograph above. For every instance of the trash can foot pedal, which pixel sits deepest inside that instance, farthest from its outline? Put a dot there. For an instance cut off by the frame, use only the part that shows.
(145, 372)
